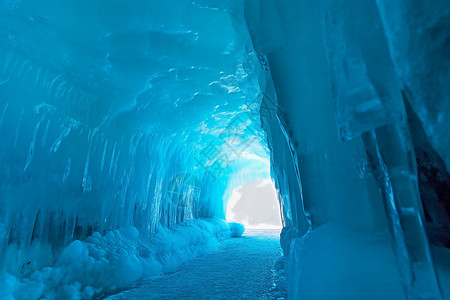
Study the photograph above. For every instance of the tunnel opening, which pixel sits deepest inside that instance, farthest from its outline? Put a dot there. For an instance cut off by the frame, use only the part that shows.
(250, 196)
(255, 205)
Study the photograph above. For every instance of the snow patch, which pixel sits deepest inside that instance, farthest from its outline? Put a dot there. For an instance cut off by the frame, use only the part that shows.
(103, 264)
(237, 229)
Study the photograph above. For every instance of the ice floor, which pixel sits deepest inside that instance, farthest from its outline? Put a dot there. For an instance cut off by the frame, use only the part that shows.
(242, 268)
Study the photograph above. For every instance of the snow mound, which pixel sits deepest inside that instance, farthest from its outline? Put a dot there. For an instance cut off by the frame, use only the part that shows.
(236, 229)
(103, 264)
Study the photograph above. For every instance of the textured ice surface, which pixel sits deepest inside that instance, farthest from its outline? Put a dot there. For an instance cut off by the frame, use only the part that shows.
(104, 264)
(344, 77)
(418, 37)
(246, 268)
(355, 264)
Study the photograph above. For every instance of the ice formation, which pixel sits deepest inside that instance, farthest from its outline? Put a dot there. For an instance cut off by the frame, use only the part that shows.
(362, 94)
(103, 264)
(127, 116)
(147, 114)
(236, 229)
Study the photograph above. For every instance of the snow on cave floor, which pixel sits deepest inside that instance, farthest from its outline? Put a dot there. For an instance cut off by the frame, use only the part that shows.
(242, 268)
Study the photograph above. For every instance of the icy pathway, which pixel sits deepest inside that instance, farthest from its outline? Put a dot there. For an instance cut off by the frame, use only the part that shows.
(243, 268)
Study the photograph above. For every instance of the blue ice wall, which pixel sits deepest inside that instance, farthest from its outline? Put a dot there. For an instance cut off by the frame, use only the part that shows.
(118, 114)
(357, 136)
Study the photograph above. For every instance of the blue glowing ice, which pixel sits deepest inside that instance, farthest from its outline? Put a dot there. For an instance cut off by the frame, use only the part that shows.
(126, 125)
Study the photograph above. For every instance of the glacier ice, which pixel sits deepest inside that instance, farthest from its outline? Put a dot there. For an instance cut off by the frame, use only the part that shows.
(121, 122)
(347, 151)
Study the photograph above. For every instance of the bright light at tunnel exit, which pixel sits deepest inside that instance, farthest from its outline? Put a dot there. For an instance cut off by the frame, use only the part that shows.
(255, 205)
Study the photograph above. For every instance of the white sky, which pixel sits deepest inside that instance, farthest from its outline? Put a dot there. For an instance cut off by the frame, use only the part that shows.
(255, 205)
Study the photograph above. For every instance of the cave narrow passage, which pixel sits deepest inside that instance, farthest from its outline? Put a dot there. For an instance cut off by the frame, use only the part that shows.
(248, 266)
(243, 268)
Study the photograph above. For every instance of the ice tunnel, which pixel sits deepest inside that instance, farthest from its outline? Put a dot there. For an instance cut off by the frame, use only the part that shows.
(126, 127)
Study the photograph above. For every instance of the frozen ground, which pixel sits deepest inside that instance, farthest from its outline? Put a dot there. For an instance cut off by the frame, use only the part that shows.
(243, 268)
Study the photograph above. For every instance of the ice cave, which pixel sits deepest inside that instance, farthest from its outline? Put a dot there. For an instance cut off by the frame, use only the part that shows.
(225, 149)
